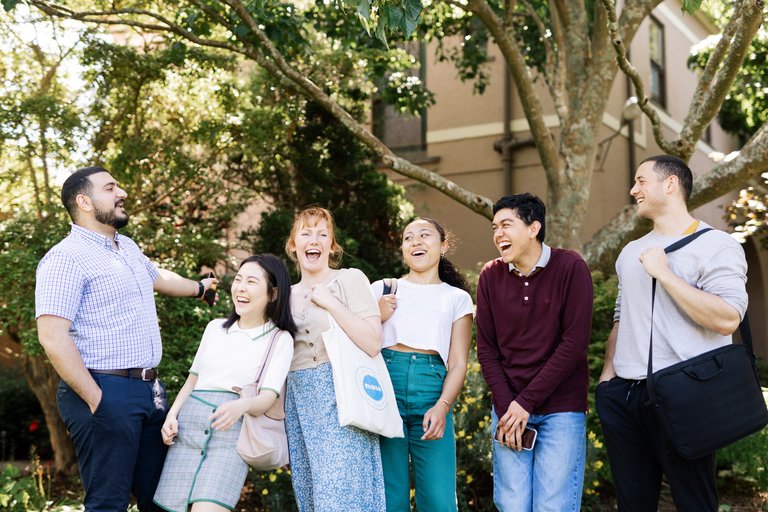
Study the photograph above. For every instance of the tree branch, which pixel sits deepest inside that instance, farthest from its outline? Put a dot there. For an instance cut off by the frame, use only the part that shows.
(278, 67)
(558, 36)
(214, 15)
(729, 174)
(730, 51)
(553, 66)
(534, 112)
(274, 63)
(577, 50)
(106, 18)
(632, 73)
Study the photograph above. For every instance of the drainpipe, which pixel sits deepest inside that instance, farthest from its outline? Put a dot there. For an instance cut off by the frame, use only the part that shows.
(506, 150)
(423, 78)
(508, 144)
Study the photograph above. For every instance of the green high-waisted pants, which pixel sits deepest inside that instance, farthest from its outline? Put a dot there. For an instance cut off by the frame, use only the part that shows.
(418, 382)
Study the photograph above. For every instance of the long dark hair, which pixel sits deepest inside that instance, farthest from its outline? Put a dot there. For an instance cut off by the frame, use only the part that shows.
(278, 286)
(447, 271)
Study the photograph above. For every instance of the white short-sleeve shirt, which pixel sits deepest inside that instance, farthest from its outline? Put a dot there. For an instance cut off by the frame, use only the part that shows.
(228, 358)
(424, 316)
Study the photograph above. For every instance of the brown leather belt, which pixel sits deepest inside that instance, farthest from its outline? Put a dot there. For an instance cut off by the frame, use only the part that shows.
(145, 374)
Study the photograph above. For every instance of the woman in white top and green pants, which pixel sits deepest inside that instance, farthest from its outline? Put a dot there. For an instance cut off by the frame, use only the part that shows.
(427, 331)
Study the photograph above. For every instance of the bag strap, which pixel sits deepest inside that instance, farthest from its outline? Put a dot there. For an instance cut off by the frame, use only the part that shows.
(267, 358)
(390, 286)
(744, 329)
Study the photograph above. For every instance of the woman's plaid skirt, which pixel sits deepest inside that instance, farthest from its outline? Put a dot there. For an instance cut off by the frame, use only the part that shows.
(202, 464)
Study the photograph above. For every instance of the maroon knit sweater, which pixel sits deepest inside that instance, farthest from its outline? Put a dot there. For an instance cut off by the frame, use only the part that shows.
(533, 332)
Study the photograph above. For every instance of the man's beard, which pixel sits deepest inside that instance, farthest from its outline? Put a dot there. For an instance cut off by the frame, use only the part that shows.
(110, 218)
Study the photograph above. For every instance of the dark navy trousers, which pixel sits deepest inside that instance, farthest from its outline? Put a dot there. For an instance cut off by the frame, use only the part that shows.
(639, 454)
(119, 447)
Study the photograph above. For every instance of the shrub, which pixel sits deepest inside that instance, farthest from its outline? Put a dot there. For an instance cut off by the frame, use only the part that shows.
(30, 490)
(746, 459)
(597, 472)
(21, 420)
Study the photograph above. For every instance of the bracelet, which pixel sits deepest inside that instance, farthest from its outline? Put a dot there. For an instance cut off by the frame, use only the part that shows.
(200, 289)
(446, 402)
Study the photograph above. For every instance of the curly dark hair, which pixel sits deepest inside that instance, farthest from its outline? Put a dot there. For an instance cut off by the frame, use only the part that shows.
(446, 270)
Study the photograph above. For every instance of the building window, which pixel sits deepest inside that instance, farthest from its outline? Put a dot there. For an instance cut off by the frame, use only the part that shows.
(658, 81)
(405, 134)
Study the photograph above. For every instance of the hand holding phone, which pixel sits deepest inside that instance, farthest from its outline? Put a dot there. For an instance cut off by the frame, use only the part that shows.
(528, 438)
(209, 297)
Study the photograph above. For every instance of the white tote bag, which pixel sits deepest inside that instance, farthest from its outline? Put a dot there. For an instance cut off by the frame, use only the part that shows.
(364, 394)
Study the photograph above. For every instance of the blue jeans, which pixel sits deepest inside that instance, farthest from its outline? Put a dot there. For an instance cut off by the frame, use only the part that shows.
(418, 382)
(551, 476)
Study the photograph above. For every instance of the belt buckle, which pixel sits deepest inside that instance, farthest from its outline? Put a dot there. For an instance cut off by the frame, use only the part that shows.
(144, 374)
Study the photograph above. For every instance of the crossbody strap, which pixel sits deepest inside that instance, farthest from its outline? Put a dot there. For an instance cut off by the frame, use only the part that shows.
(267, 358)
(746, 333)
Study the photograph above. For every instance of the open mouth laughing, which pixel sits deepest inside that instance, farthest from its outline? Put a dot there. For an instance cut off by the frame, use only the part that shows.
(312, 254)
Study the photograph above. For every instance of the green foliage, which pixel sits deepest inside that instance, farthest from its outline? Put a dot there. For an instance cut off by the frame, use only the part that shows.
(320, 164)
(406, 93)
(163, 126)
(442, 23)
(270, 490)
(8, 5)
(19, 493)
(691, 6)
(39, 121)
(388, 17)
(472, 425)
(22, 425)
(745, 109)
(746, 459)
(597, 471)
(24, 240)
(747, 214)
(30, 490)
(182, 322)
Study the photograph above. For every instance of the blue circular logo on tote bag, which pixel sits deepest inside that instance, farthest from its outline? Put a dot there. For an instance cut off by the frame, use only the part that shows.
(369, 384)
(372, 387)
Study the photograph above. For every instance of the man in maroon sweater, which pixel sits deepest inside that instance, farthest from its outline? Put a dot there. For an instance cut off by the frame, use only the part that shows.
(534, 315)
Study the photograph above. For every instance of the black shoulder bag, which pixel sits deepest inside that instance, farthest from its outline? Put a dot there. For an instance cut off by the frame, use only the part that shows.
(711, 400)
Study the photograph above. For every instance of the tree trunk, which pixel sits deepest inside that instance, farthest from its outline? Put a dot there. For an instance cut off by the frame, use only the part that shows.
(43, 380)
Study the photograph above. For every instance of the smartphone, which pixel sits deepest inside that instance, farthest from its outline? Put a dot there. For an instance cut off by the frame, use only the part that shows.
(529, 437)
(210, 294)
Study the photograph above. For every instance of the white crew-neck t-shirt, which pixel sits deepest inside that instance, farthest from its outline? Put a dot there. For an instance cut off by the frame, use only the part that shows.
(424, 316)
